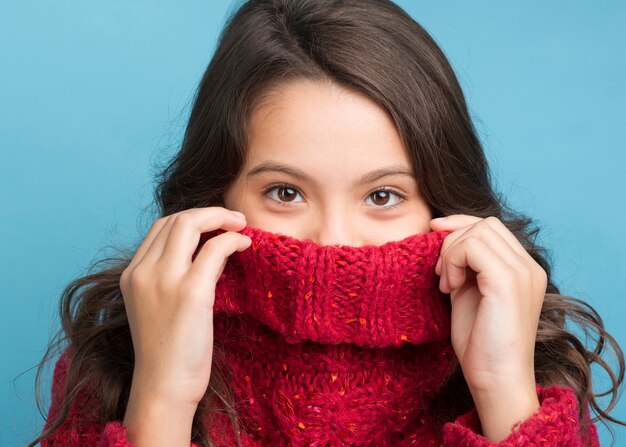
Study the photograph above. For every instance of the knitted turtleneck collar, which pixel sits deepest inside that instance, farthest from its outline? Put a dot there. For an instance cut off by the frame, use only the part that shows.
(334, 344)
(372, 296)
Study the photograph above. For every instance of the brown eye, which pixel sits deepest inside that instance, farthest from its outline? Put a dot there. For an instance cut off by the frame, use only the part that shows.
(380, 197)
(385, 198)
(286, 194)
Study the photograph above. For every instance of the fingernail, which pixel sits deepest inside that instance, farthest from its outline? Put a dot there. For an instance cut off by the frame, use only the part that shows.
(238, 215)
(438, 219)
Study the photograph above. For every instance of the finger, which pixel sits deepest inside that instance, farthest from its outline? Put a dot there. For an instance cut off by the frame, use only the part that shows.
(489, 223)
(453, 222)
(506, 234)
(482, 255)
(210, 261)
(147, 241)
(458, 225)
(456, 221)
(183, 238)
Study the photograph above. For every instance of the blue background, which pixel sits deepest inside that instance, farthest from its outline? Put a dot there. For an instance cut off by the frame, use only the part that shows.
(94, 94)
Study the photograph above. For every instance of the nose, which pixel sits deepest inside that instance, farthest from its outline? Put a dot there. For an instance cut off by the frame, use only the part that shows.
(336, 228)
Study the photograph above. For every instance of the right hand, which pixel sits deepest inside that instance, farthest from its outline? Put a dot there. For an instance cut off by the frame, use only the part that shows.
(169, 302)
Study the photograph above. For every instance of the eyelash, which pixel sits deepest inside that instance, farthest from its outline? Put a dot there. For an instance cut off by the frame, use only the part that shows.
(270, 188)
(278, 186)
(394, 191)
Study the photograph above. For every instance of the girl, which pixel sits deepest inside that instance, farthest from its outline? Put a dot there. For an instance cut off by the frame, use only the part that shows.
(332, 265)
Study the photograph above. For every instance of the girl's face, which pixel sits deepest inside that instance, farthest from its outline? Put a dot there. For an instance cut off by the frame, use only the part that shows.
(327, 164)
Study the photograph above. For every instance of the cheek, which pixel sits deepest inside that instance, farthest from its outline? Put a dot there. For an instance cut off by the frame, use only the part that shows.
(398, 230)
(289, 226)
(252, 205)
(232, 198)
(423, 223)
(239, 197)
(416, 221)
(423, 217)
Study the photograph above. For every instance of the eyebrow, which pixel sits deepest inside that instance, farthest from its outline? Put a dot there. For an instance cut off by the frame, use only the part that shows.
(273, 166)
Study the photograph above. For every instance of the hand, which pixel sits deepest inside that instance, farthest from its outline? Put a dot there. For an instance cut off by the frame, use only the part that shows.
(169, 302)
(496, 290)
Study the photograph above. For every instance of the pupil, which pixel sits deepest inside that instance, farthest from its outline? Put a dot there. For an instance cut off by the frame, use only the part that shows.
(286, 194)
(381, 194)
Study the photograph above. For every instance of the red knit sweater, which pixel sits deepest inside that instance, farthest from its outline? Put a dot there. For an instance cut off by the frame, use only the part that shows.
(331, 345)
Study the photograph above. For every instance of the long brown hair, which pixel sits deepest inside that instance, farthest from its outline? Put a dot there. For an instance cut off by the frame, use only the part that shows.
(372, 47)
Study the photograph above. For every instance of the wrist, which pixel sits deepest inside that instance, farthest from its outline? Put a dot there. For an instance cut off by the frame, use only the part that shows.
(502, 407)
(153, 397)
(504, 385)
(151, 387)
(152, 421)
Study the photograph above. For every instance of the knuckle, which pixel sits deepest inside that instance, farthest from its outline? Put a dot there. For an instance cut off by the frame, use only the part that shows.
(472, 242)
(213, 247)
(212, 244)
(221, 242)
(139, 278)
(159, 222)
(492, 220)
(483, 228)
(182, 220)
(123, 283)
(488, 225)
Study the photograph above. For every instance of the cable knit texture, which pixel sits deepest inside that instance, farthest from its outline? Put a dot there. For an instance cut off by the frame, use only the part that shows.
(338, 345)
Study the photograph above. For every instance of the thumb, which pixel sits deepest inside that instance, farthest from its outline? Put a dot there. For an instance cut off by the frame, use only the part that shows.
(453, 222)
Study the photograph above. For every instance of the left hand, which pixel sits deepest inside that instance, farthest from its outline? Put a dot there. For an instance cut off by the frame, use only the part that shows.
(496, 290)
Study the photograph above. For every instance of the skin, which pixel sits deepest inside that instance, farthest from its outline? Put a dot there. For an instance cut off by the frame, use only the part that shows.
(334, 137)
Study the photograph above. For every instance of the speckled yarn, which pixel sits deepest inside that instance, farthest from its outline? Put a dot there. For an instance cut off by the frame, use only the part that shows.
(334, 345)
(372, 296)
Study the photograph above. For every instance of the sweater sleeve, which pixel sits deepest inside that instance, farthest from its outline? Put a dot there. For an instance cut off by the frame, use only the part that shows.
(554, 424)
(77, 430)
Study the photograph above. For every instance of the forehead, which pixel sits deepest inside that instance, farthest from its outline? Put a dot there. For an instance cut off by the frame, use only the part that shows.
(322, 126)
